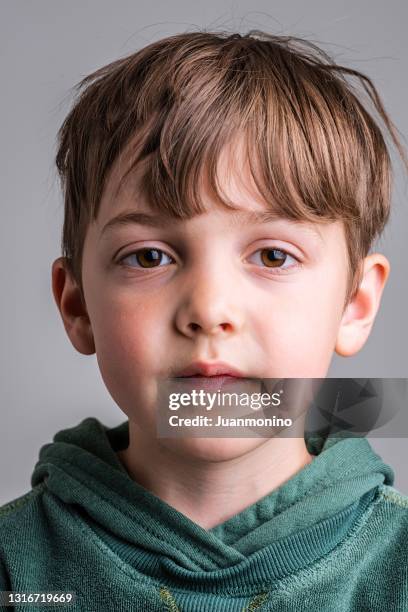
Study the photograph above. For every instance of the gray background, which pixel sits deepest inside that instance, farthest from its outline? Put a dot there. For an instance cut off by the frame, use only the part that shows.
(47, 46)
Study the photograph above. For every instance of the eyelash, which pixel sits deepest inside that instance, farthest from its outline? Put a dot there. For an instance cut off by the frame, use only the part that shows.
(277, 270)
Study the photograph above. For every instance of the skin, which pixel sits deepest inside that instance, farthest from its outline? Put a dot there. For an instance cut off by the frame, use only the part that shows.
(268, 324)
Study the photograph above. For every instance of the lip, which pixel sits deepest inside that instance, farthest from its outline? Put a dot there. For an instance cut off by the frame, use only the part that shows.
(206, 369)
(209, 383)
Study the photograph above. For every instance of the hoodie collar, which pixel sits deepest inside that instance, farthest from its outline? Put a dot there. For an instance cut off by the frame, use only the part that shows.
(287, 529)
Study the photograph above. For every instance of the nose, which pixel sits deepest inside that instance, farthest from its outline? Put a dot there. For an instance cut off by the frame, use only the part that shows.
(209, 306)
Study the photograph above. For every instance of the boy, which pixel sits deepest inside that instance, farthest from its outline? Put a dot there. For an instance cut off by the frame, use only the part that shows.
(222, 193)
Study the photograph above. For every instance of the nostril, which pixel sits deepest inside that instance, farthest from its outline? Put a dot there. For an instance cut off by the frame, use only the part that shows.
(195, 326)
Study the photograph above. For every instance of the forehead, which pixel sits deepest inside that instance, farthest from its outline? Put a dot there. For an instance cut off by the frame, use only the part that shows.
(233, 173)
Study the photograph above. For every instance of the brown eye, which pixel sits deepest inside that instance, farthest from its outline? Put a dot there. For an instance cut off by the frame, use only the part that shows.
(277, 261)
(146, 258)
(273, 258)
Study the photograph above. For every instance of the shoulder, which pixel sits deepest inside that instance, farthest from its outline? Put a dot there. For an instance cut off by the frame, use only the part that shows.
(19, 513)
(391, 511)
(392, 496)
(16, 522)
(392, 506)
(16, 506)
(386, 532)
(380, 553)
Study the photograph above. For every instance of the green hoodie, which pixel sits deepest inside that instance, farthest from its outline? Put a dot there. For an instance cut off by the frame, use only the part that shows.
(332, 538)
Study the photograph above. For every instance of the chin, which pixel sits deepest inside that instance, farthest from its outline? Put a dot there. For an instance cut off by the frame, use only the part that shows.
(212, 449)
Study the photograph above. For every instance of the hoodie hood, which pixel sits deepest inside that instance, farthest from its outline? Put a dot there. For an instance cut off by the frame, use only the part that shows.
(287, 529)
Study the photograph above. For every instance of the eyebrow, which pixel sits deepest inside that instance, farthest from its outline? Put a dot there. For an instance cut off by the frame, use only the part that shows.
(159, 221)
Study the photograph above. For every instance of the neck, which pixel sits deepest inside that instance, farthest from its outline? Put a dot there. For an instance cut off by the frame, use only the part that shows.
(210, 493)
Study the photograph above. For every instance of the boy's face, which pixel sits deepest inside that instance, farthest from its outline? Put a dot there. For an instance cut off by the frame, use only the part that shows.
(213, 271)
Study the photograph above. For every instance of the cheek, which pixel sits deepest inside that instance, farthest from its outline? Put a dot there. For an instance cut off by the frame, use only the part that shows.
(128, 336)
(301, 332)
(129, 330)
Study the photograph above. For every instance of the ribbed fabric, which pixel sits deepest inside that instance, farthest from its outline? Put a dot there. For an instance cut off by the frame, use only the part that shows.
(332, 538)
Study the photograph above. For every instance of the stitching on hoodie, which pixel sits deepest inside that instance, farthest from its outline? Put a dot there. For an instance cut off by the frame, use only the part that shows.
(21, 501)
(172, 606)
(257, 602)
(396, 498)
(168, 599)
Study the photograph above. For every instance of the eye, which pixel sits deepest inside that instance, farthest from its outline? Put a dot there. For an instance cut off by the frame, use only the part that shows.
(148, 257)
(275, 258)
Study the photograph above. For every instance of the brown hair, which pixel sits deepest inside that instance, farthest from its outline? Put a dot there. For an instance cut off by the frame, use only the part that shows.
(314, 151)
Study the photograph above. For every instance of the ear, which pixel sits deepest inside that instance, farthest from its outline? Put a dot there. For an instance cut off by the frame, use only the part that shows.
(72, 309)
(359, 314)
